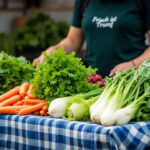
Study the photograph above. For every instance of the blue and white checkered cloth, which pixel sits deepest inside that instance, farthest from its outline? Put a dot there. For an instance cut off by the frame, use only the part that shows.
(44, 133)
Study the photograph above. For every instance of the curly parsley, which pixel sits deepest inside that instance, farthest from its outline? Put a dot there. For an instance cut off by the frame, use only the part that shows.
(61, 75)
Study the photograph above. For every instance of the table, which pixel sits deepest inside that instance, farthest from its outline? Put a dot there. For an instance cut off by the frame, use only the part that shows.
(44, 133)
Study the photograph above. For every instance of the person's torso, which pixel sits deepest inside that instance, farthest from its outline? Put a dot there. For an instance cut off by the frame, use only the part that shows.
(114, 33)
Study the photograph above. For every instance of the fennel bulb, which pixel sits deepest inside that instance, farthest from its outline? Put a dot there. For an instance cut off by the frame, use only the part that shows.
(124, 115)
(57, 107)
(80, 111)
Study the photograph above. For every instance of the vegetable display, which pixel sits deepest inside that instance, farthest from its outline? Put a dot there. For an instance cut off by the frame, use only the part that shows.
(61, 75)
(13, 71)
(124, 97)
(63, 87)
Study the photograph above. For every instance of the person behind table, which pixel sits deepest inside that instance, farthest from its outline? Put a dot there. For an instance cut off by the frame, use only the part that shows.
(114, 31)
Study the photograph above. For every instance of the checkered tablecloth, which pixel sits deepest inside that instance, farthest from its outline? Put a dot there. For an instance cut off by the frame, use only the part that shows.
(43, 133)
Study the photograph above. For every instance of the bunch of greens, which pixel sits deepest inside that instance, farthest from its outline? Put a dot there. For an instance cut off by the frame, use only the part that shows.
(13, 71)
(61, 75)
(126, 97)
(4, 46)
(40, 31)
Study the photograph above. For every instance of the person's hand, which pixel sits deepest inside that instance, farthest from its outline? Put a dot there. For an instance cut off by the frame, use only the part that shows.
(122, 66)
(41, 58)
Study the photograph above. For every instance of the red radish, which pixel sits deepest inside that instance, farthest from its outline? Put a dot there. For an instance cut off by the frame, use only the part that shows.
(102, 85)
(88, 79)
(92, 75)
(102, 81)
(98, 77)
(93, 79)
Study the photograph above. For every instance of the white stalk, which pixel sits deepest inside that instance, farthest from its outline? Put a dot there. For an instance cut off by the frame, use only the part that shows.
(94, 105)
(105, 94)
(108, 117)
(98, 111)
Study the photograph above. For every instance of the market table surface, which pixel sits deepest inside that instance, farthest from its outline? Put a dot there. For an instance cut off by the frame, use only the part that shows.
(41, 133)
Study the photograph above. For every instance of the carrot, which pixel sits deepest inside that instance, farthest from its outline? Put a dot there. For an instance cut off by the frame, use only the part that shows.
(37, 112)
(26, 97)
(10, 109)
(23, 89)
(34, 101)
(46, 114)
(31, 109)
(45, 108)
(42, 112)
(29, 92)
(10, 93)
(27, 105)
(19, 103)
(11, 100)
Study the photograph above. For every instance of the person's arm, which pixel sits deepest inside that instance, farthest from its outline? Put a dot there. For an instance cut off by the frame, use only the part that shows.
(72, 42)
(133, 63)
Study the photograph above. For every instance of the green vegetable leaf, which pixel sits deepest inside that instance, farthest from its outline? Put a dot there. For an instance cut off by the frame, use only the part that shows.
(13, 71)
(61, 75)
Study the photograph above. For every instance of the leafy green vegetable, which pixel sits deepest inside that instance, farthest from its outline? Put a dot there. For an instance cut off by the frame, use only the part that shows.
(124, 98)
(143, 113)
(13, 71)
(61, 75)
(40, 31)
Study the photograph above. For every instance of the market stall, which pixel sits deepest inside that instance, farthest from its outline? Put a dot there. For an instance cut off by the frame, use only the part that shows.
(66, 105)
(35, 132)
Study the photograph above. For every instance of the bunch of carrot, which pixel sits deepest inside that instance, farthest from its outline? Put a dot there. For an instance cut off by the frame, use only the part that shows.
(20, 100)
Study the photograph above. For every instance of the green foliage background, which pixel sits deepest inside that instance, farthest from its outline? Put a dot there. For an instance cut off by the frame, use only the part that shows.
(40, 31)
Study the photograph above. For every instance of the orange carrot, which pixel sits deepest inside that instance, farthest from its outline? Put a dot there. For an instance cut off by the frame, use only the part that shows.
(45, 108)
(27, 105)
(19, 103)
(46, 114)
(31, 109)
(10, 109)
(29, 92)
(23, 89)
(11, 100)
(34, 101)
(42, 112)
(37, 112)
(10, 93)
(26, 97)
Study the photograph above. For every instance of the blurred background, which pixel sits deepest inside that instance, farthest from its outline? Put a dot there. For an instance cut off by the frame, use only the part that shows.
(28, 27)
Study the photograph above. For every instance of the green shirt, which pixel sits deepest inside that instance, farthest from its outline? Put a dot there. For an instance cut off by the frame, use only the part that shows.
(114, 31)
